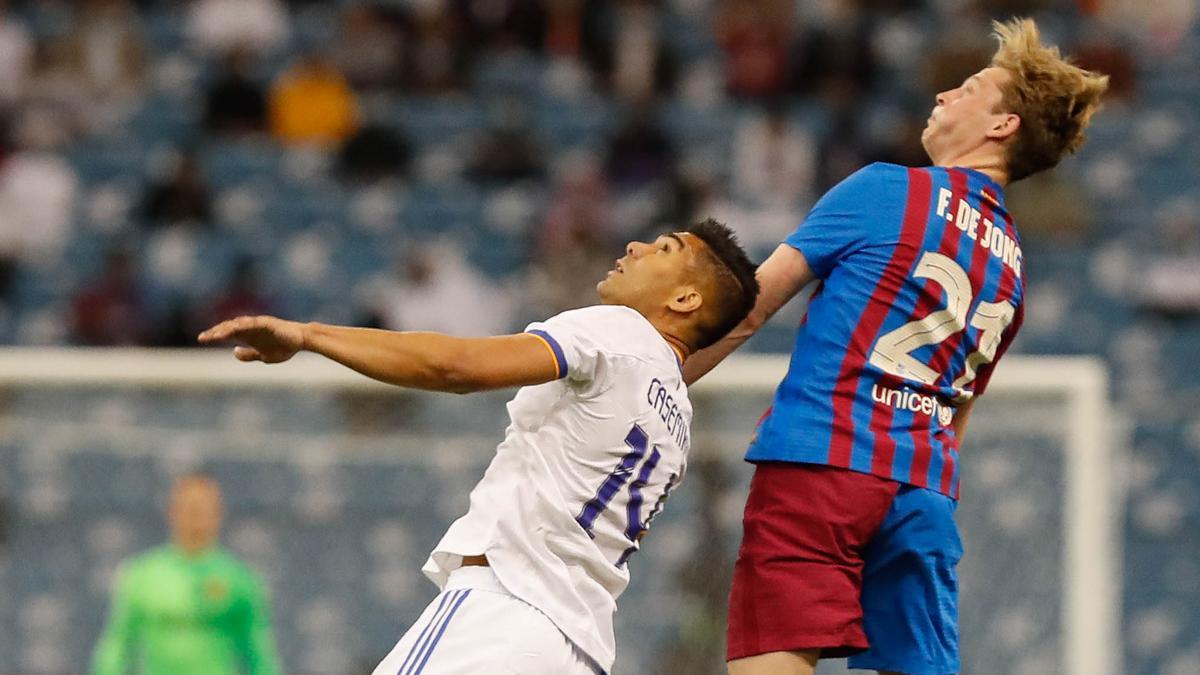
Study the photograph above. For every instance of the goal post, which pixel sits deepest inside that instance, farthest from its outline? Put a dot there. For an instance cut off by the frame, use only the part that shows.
(1091, 593)
(1013, 484)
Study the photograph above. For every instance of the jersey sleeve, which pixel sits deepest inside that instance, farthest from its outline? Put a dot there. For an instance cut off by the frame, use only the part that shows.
(579, 339)
(842, 220)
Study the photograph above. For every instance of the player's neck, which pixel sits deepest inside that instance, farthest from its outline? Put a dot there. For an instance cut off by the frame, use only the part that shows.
(196, 549)
(986, 163)
(678, 346)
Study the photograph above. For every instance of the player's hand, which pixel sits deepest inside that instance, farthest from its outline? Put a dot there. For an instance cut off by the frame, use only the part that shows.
(264, 338)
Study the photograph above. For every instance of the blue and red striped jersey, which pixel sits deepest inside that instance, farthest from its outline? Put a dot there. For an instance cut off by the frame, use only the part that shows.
(920, 294)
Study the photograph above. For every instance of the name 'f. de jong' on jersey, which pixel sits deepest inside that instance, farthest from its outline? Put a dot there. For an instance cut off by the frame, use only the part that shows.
(921, 292)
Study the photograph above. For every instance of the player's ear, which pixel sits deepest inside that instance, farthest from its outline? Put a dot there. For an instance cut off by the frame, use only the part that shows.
(686, 300)
(1005, 126)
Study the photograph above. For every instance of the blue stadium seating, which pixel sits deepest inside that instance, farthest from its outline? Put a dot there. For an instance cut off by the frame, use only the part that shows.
(44, 557)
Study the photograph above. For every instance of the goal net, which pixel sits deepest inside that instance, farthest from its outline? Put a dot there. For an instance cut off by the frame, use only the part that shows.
(337, 487)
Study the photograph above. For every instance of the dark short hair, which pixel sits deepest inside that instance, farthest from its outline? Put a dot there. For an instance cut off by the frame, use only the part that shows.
(734, 278)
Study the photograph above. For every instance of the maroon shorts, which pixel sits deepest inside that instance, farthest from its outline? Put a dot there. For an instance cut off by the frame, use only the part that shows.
(799, 572)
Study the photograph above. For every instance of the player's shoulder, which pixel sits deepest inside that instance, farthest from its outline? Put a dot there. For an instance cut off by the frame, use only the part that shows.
(613, 313)
(604, 319)
(879, 175)
(231, 562)
(236, 571)
(870, 187)
(613, 329)
(150, 558)
(885, 170)
(161, 553)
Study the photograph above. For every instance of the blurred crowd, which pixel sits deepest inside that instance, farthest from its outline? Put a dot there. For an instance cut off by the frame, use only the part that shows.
(645, 115)
(306, 76)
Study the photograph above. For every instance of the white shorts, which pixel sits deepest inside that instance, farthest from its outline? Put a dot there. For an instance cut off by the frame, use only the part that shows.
(475, 626)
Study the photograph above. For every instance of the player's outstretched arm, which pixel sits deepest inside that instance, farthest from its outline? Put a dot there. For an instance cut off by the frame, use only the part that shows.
(780, 278)
(417, 360)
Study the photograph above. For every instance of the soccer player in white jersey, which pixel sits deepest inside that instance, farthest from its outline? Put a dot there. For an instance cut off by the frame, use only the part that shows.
(599, 436)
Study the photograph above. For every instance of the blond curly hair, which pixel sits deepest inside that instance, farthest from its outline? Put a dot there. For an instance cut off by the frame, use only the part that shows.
(1054, 98)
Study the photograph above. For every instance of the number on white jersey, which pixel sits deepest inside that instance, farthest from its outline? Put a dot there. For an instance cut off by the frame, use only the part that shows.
(639, 442)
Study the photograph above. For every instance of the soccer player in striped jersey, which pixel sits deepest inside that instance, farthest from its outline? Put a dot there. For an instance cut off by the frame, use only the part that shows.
(849, 544)
(599, 436)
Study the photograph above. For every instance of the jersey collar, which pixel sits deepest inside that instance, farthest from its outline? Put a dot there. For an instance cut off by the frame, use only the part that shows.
(679, 355)
(992, 192)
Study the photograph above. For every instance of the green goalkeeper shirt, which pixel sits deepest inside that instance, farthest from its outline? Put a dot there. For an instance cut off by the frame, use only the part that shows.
(174, 614)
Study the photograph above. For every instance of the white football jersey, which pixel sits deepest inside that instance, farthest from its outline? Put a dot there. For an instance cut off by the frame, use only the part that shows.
(585, 465)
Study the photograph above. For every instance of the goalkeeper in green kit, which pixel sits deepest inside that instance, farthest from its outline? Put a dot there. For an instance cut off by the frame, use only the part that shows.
(188, 608)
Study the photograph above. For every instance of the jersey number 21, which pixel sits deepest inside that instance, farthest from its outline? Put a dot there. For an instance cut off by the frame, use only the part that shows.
(893, 351)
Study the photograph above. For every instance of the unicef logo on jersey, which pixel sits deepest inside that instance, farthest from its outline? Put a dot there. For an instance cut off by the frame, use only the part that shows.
(914, 402)
(945, 415)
